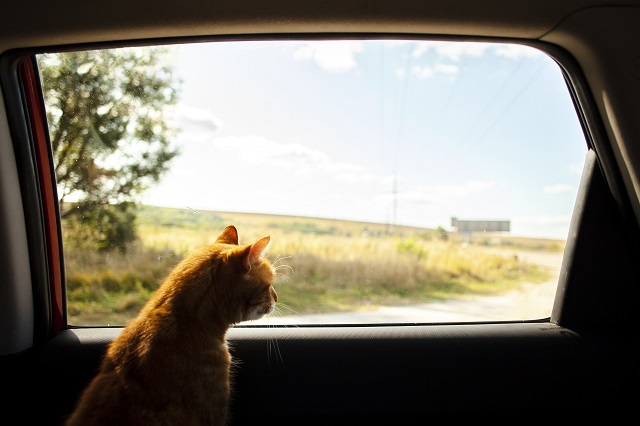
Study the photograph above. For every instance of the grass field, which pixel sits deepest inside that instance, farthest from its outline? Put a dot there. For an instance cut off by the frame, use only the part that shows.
(324, 265)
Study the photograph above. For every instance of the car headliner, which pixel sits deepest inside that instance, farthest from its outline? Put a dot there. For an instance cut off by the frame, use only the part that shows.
(29, 23)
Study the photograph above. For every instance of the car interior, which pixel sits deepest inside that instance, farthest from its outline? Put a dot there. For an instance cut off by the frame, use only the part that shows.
(579, 360)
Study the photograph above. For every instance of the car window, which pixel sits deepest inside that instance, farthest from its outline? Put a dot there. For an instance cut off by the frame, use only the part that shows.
(401, 181)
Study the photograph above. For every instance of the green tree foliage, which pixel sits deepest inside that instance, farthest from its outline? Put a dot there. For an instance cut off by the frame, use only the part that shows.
(110, 137)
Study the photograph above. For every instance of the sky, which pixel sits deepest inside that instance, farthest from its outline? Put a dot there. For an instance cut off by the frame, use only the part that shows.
(401, 132)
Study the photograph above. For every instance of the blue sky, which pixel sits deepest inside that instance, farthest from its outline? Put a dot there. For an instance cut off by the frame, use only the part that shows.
(389, 131)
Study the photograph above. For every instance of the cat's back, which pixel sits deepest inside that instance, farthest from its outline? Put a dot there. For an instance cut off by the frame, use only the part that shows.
(156, 385)
(159, 371)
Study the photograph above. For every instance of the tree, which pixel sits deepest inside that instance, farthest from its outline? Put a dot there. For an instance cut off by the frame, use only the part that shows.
(110, 136)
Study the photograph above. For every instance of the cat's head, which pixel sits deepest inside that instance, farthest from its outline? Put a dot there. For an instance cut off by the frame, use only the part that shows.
(248, 273)
(222, 283)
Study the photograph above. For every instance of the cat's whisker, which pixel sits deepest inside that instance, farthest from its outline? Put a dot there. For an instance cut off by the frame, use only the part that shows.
(283, 305)
(279, 267)
(277, 350)
(280, 258)
(269, 353)
(272, 344)
(278, 313)
(283, 276)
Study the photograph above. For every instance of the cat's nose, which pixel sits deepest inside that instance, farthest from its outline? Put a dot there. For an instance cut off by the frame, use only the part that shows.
(274, 294)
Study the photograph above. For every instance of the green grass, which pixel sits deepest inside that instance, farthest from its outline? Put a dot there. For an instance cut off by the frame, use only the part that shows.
(323, 265)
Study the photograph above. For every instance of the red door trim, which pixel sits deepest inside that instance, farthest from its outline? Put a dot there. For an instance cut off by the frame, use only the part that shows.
(44, 162)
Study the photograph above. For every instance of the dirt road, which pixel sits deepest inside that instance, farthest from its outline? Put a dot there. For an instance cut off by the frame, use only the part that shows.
(530, 301)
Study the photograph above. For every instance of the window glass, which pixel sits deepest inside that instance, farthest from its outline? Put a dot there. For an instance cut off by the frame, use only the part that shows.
(400, 181)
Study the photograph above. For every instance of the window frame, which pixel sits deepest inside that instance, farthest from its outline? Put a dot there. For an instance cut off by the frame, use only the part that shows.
(48, 270)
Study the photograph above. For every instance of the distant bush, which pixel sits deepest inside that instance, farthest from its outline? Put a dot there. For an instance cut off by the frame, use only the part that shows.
(303, 228)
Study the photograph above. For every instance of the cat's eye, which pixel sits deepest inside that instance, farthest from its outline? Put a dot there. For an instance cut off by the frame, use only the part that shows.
(401, 181)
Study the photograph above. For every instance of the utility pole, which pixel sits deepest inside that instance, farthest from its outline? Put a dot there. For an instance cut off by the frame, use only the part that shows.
(395, 203)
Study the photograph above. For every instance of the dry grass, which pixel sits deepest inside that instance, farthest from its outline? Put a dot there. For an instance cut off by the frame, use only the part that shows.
(323, 265)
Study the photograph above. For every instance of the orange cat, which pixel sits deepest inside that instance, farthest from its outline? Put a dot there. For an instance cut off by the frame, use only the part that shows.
(171, 364)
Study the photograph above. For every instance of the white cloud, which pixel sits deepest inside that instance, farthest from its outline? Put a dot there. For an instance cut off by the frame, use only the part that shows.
(448, 51)
(332, 56)
(446, 69)
(427, 71)
(295, 158)
(196, 116)
(451, 50)
(423, 72)
(455, 51)
(431, 194)
(480, 185)
(516, 51)
(557, 188)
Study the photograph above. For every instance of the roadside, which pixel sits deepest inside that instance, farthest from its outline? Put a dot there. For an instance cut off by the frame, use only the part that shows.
(531, 301)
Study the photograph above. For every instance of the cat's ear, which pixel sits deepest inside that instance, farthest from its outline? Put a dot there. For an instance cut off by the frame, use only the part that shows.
(229, 235)
(253, 253)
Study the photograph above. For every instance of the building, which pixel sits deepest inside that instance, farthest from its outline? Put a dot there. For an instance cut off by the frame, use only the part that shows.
(469, 226)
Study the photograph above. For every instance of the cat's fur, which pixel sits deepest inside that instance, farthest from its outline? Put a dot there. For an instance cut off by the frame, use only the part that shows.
(171, 364)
